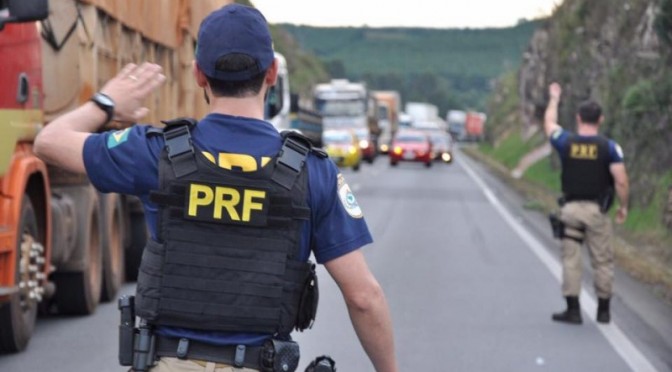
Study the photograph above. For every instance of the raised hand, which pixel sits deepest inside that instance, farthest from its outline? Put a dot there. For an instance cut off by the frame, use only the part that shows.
(129, 89)
(555, 91)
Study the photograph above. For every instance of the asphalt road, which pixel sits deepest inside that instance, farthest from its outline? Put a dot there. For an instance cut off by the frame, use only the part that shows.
(471, 278)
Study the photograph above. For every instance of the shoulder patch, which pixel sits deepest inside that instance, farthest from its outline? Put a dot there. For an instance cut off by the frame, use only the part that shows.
(619, 150)
(117, 138)
(556, 133)
(347, 198)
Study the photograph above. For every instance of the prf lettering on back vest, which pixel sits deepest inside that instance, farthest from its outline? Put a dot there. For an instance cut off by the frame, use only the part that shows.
(226, 204)
(583, 151)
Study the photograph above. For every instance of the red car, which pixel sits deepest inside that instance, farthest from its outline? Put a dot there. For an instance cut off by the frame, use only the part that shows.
(411, 146)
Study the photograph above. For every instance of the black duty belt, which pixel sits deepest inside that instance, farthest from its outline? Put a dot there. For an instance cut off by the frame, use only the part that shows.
(569, 199)
(234, 355)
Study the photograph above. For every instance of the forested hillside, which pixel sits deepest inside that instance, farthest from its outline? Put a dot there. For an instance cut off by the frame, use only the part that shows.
(452, 68)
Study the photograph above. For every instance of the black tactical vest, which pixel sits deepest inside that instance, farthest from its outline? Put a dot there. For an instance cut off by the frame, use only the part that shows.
(585, 168)
(226, 259)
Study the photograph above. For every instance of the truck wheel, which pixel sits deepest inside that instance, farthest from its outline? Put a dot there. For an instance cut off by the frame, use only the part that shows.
(138, 239)
(356, 166)
(112, 245)
(78, 292)
(428, 164)
(17, 316)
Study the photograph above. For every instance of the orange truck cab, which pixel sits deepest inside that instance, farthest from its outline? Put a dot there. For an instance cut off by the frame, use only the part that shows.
(24, 193)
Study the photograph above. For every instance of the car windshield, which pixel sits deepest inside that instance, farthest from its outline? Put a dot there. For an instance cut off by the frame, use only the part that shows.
(341, 107)
(439, 140)
(411, 138)
(337, 138)
(362, 133)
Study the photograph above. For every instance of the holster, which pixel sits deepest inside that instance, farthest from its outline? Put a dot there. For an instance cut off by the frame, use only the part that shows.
(308, 302)
(136, 344)
(279, 356)
(126, 330)
(557, 226)
(607, 200)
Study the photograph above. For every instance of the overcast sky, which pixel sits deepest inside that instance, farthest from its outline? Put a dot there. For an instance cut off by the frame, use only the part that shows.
(411, 13)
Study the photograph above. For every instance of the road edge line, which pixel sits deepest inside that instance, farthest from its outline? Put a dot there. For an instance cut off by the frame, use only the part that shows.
(614, 335)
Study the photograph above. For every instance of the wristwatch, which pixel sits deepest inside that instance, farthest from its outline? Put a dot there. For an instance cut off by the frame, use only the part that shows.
(105, 103)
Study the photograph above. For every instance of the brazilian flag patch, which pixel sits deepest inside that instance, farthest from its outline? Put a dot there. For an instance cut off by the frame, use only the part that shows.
(117, 138)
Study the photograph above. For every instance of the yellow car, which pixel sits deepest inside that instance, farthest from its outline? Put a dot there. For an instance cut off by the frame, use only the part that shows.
(343, 148)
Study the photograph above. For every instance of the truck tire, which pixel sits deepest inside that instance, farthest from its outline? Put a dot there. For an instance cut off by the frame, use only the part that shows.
(78, 292)
(138, 238)
(112, 245)
(18, 315)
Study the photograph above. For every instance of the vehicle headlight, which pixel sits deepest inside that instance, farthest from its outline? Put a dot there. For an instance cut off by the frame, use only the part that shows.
(384, 147)
(363, 144)
(353, 150)
(397, 150)
(446, 157)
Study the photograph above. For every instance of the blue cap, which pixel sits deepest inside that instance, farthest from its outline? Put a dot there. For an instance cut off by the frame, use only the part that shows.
(232, 29)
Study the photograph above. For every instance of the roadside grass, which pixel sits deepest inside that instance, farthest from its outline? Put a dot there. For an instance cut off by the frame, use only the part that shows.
(643, 245)
(511, 149)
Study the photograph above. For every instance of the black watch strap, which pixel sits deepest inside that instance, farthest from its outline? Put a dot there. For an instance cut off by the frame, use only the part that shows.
(105, 103)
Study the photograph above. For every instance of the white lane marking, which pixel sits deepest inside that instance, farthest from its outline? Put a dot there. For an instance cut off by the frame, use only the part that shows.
(618, 340)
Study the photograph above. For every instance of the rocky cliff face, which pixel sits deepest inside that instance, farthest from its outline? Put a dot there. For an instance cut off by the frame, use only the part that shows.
(618, 53)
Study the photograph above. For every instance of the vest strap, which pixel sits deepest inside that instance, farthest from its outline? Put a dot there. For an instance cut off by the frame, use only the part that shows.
(290, 162)
(180, 150)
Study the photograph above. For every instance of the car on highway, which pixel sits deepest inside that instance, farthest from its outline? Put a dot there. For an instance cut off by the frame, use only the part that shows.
(411, 146)
(343, 148)
(442, 144)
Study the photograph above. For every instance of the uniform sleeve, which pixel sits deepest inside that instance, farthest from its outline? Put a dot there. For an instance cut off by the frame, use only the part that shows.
(615, 152)
(123, 161)
(338, 225)
(559, 140)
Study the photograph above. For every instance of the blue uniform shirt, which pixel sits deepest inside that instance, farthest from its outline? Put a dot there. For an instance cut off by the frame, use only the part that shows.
(560, 137)
(126, 162)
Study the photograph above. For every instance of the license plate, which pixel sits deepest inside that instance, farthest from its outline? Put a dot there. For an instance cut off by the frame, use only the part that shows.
(409, 155)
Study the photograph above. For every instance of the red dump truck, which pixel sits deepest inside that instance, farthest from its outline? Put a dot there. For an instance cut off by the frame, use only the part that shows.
(63, 245)
(474, 126)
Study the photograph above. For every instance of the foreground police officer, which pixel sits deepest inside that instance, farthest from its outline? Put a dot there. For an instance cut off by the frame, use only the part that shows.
(592, 166)
(233, 207)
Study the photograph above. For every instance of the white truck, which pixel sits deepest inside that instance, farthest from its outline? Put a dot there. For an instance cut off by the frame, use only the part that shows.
(278, 98)
(342, 103)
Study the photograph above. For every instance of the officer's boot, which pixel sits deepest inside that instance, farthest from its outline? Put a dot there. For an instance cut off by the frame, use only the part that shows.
(573, 313)
(603, 315)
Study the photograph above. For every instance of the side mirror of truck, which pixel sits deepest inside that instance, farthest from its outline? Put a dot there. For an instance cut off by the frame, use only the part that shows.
(25, 11)
(294, 103)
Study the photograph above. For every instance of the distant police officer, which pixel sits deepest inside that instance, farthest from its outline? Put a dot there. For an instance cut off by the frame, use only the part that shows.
(592, 166)
(234, 209)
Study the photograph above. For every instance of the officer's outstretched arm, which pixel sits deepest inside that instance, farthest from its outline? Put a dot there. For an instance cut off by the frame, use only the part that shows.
(622, 190)
(61, 143)
(368, 308)
(551, 115)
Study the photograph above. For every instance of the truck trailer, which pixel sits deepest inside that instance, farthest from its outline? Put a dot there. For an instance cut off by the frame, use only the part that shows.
(387, 109)
(64, 246)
